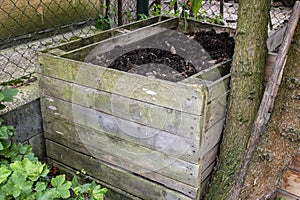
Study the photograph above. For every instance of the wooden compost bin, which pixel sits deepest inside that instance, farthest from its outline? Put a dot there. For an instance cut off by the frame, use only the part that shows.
(84, 121)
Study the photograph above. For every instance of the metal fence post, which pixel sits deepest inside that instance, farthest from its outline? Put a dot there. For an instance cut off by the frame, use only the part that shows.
(120, 12)
(222, 8)
(142, 8)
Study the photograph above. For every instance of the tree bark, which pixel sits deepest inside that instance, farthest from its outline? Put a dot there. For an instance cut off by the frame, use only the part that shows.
(246, 91)
(266, 103)
(280, 141)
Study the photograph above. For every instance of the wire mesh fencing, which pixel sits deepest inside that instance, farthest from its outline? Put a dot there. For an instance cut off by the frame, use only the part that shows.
(29, 26)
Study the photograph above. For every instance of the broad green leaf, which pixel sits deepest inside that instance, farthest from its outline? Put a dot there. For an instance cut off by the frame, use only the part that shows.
(23, 149)
(57, 181)
(4, 173)
(1, 146)
(9, 94)
(40, 186)
(195, 7)
(172, 4)
(45, 171)
(84, 188)
(16, 192)
(3, 133)
(18, 178)
(33, 169)
(75, 182)
(64, 189)
(17, 166)
(97, 192)
(1, 96)
(30, 156)
(47, 195)
(2, 195)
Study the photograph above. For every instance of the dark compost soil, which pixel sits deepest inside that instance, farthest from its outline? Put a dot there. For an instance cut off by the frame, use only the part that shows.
(165, 62)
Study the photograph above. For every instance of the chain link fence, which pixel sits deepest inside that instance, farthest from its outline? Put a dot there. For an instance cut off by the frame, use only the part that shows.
(28, 26)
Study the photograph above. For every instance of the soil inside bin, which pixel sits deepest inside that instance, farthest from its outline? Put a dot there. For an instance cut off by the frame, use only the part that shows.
(167, 64)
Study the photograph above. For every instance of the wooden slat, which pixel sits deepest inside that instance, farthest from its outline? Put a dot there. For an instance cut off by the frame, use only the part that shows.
(209, 158)
(211, 74)
(291, 182)
(284, 195)
(215, 88)
(169, 183)
(295, 166)
(218, 87)
(212, 137)
(113, 192)
(166, 119)
(111, 43)
(194, 26)
(216, 110)
(270, 63)
(103, 146)
(157, 140)
(97, 37)
(208, 171)
(275, 39)
(115, 176)
(177, 96)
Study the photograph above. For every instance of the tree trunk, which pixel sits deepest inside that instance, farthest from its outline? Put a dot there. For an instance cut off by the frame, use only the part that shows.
(280, 141)
(246, 91)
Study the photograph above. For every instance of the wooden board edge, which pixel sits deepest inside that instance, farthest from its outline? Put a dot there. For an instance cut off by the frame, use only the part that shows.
(118, 176)
(113, 192)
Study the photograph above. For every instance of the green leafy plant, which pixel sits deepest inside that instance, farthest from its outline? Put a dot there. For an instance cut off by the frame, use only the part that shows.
(143, 17)
(103, 23)
(129, 16)
(6, 95)
(155, 9)
(195, 6)
(22, 176)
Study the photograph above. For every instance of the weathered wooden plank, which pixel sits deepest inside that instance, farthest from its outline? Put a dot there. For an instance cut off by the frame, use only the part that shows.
(208, 171)
(194, 26)
(211, 137)
(216, 110)
(218, 87)
(209, 158)
(115, 176)
(211, 74)
(168, 182)
(127, 38)
(275, 39)
(270, 63)
(216, 79)
(113, 192)
(177, 96)
(203, 188)
(295, 165)
(291, 182)
(284, 195)
(166, 119)
(186, 148)
(103, 146)
(99, 36)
